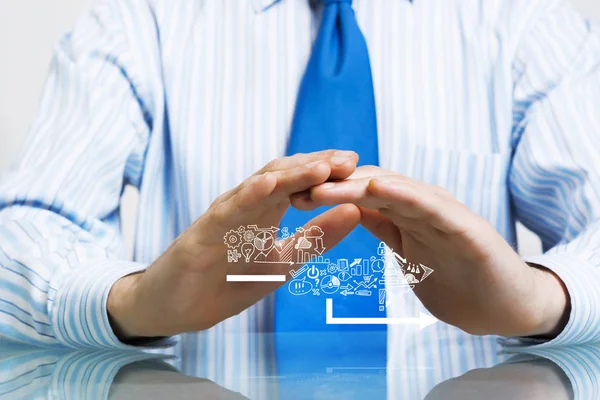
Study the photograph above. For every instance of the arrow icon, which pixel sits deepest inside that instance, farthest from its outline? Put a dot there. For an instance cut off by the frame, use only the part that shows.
(423, 320)
(400, 259)
(319, 248)
(275, 262)
(428, 271)
(345, 293)
(356, 262)
(347, 287)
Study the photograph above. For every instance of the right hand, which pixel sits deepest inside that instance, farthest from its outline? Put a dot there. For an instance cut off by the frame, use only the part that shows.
(186, 290)
(537, 379)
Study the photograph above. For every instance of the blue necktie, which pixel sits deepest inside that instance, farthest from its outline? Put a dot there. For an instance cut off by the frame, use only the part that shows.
(335, 109)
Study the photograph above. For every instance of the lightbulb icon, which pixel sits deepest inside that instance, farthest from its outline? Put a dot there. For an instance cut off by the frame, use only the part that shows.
(247, 250)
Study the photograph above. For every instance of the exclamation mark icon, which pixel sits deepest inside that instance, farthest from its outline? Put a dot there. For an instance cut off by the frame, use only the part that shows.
(382, 299)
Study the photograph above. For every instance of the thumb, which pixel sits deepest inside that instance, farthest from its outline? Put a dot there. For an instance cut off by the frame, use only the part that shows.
(381, 227)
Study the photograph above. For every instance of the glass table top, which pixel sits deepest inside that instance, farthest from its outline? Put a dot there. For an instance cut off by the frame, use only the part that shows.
(365, 365)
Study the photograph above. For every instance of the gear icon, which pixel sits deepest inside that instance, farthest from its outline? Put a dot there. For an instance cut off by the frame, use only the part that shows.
(331, 268)
(232, 239)
(248, 236)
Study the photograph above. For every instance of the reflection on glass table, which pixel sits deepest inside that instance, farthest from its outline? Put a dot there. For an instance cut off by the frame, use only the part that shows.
(319, 366)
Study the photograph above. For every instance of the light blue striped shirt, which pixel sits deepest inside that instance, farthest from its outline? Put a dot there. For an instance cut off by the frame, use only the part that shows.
(495, 100)
(66, 374)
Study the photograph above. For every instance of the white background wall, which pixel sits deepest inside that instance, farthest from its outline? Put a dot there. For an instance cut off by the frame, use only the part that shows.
(28, 31)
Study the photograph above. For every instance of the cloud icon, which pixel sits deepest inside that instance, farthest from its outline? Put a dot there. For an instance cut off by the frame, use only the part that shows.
(303, 244)
(314, 232)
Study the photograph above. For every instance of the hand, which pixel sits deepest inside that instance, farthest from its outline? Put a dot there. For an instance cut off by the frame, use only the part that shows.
(480, 284)
(533, 380)
(186, 289)
(157, 380)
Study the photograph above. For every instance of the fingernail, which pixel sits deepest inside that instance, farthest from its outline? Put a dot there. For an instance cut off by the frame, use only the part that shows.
(328, 185)
(344, 153)
(313, 164)
(339, 160)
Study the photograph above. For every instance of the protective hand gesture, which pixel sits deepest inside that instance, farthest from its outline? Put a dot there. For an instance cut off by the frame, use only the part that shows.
(186, 288)
(480, 284)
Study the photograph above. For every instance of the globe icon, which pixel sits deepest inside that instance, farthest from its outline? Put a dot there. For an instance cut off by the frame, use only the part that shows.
(264, 241)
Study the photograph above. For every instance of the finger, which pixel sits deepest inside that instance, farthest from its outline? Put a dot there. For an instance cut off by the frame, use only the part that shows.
(221, 216)
(410, 204)
(371, 171)
(302, 201)
(420, 203)
(342, 163)
(298, 179)
(347, 191)
(271, 188)
(362, 175)
(381, 227)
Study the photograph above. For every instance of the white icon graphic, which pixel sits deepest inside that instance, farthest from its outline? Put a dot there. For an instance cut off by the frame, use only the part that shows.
(411, 279)
(413, 273)
(344, 276)
(356, 267)
(303, 244)
(300, 287)
(264, 241)
(377, 264)
(247, 250)
(313, 272)
(232, 239)
(364, 285)
(347, 290)
(285, 250)
(233, 256)
(330, 284)
(299, 272)
(332, 268)
(365, 276)
(382, 299)
(423, 320)
(248, 236)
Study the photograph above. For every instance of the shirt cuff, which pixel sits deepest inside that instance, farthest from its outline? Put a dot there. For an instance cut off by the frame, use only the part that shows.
(90, 374)
(77, 306)
(579, 364)
(582, 279)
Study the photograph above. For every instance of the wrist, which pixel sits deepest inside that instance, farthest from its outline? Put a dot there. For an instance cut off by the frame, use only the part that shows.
(122, 308)
(554, 301)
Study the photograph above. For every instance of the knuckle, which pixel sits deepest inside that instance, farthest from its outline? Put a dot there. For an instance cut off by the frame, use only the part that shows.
(439, 190)
(368, 169)
(221, 198)
(219, 214)
(273, 164)
(414, 200)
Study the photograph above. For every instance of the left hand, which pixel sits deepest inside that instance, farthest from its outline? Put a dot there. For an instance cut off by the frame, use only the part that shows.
(480, 283)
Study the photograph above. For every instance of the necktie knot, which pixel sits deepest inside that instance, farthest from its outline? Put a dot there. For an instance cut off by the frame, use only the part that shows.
(329, 2)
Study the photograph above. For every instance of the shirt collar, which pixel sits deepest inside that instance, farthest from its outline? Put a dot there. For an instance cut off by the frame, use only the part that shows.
(264, 5)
